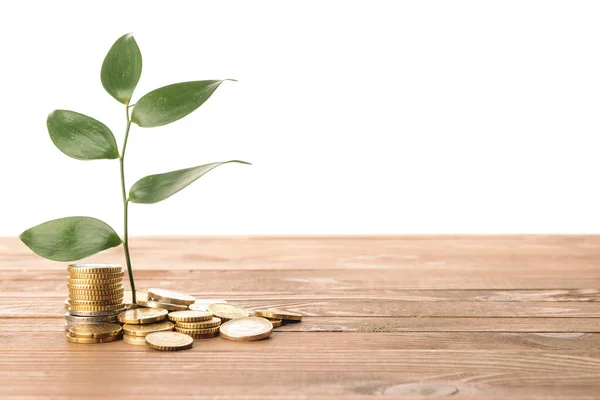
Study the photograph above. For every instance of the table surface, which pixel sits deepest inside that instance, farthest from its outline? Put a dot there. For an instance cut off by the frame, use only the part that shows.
(469, 316)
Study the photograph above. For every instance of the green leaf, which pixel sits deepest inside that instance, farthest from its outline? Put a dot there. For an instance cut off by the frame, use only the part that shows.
(155, 188)
(70, 239)
(122, 68)
(80, 136)
(170, 103)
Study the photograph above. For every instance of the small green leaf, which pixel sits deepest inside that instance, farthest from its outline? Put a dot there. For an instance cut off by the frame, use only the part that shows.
(155, 188)
(80, 136)
(122, 68)
(170, 103)
(70, 239)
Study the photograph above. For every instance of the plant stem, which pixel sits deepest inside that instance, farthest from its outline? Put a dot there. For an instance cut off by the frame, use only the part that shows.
(125, 207)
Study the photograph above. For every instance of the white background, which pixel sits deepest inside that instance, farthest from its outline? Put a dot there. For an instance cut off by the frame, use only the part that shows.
(360, 117)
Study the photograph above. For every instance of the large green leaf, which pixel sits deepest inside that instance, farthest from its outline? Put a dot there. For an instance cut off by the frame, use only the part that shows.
(122, 68)
(155, 188)
(170, 103)
(80, 136)
(70, 239)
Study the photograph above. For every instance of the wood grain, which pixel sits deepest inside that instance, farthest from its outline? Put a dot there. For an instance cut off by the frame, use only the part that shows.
(52, 306)
(491, 317)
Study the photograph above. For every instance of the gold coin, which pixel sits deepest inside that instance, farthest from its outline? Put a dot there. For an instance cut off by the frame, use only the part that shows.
(138, 341)
(206, 331)
(170, 296)
(201, 336)
(143, 316)
(246, 329)
(86, 284)
(95, 297)
(142, 300)
(227, 311)
(279, 314)
(96, 277)
(169, 341)
(94, 268)
(144, 330)
(190, 316)
(276, 322)
(74, 339)
(95, 302)
(66, 304)
(95, 307)
(91, 280)
(98, 292)
(202, 304)
(214, 321)
(160, 304)
(97, 331)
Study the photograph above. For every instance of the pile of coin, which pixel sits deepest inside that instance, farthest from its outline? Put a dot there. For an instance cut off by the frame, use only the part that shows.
(141, 322)
(197, 324)
(96, 306)
(278, 317)
(95, 294)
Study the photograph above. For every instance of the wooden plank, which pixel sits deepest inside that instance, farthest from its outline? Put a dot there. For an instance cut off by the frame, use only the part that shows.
(334, 373)
(317, 282)
(328, 252)
(377, 324)
(57, 290)
(53, 341)
(48, 307)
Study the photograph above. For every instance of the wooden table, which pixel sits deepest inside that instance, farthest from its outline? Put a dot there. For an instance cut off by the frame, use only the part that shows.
(469, 317)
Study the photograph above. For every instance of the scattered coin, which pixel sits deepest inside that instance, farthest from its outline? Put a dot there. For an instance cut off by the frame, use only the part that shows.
(214, 321)
(169, 341)
(160, 304)
(144, 330)
(190, 316)
(94, 268)
(170, 296)
(202, 304)
(246, 329)
(74, 339)
(279, 314)
(143, 316)
(97, 331)
(227, 311)
(139, 341)
(276, 322)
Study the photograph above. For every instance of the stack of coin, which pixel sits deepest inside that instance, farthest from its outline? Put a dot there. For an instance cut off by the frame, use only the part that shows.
(96, 333)
(171, 300)
(95, 294)
(278, 317)
(197, 324)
